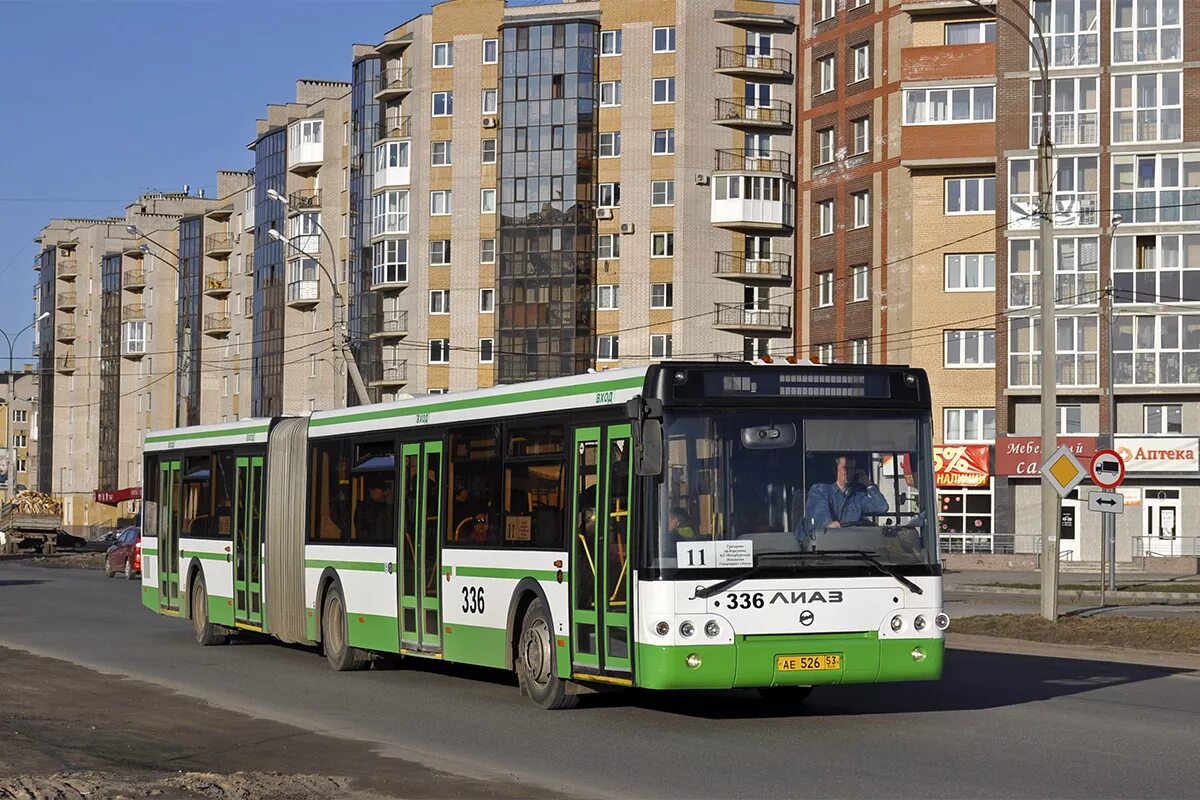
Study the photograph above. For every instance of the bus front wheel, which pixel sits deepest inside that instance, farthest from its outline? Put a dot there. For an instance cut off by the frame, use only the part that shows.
(335, 636)
(207, 634)
(537, 669)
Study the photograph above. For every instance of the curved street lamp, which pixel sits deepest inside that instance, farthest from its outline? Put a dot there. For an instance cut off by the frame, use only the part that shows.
(8, 398)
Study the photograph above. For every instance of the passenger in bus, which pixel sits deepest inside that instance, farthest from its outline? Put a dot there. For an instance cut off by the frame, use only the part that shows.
(845, 500)
(679, 526)
(373, 519)
(482, 530)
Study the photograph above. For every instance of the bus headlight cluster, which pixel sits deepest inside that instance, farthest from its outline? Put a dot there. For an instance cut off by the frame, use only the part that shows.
(941, 621)
(897, 622)
(711, 629)
(662, 628)
(919, 622)
(686, 629)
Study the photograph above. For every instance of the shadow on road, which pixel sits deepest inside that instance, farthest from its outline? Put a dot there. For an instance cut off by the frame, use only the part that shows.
(21, 582)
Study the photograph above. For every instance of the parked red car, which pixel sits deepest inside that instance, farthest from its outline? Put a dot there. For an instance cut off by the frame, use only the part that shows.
(125, 554)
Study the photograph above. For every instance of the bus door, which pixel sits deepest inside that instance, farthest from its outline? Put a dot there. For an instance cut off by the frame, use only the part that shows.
(600, 634)
(421, 514)
(248, 542)
(170, 492)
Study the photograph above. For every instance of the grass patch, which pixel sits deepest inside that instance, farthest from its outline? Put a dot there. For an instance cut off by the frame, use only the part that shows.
(1095, 587)
(1139, 633)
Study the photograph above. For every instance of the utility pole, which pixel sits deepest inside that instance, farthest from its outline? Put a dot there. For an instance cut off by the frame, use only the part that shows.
(1109, 545)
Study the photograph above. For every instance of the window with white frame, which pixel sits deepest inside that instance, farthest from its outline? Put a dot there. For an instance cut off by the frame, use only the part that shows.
(486, 354)
(610, 43)
(610, 94)
(441, 154)
(610, 144)
(862, 62)
(826, 72)
(608, 348)
(1077, 342)
(391, 212)
(662, 295)
(487, 201)
(20, 416)
(608, 297)
(439, 252)
(860, 351)
(443, 104)
(491, 51)
(488, 101)
(663, 91)
(439, 352)
(664, 40)
(487, 251)
(862, 209)
(825, 288)
(662, 244)
(443, 54)
(660, 345)
(828, 9)
(758, 95)
(1161, 268)
(756, 145)
(755, 347)
(1146, 31)
(391, 154)
(970, 272)
(970, 195)
(487, 151)
(1156, 188)
(1074, 111)
(825, 146)
(825, 353)
(440, 204)
(860, 281)
(949, 106)
(1071, 28)
(1147, 107)
(970, 32)
(487, 301)
(662, 193)
(974, 349)
(608, 195)
(1076, 271)
(861, 133)
(608, 246)
(389, 262)
(439, 301)
(1076, 192)
(1157, 350)
(133, 339)
(663, 142)
(825, 217)
(1163, 419)
(1070, 419)
(969, 425)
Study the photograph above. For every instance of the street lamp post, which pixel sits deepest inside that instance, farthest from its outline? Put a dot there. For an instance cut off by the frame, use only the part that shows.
(8, 395)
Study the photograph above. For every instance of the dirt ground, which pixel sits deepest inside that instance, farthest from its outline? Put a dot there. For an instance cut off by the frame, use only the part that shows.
(67, 733)
(1142, 633)
(63, 559)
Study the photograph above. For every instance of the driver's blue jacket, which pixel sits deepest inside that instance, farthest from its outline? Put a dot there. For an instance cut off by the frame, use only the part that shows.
(827, 503)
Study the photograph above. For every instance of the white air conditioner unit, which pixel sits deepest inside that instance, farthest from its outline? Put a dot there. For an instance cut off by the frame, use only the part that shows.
(701, 179)
(626, 227)
(603, 213)
(489, 122)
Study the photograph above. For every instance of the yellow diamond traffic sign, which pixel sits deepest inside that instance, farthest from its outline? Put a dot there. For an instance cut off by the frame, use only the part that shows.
(1064, 471)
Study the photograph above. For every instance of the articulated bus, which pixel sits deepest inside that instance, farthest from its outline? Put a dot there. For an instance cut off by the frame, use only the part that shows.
(678, 526)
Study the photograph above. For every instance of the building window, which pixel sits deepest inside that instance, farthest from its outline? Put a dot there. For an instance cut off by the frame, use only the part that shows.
(389, 155)
(389, 262)
(487, 201)
(487, 151)
(491, 51)
(487, 301)
(610, 144)
(439, 352)
(970, 195)
(488, 101)
(824, 289)
(443, 104)
(970, 32)
(1076, 192)
(443, 54)
(964, 514)
(485, 351)
(1163, 418)
(662, 295)
(825, 214)
(1157, 350)
(969, 425)
(20, 416)
(133, 340)
(825, 146)
(608, 297)
(664, 90)
(391, 213)
(662, 193)
(862, 209)
(487, 251)
(862, 62)
(860, 279)
(441, 154)
(439, 301)
(664, 142)
(1074, 112)
(1156, 269)
(1156, 188)
(1147, 108)
(440, 203)
(1146, 31)
(826, 70)
(862, 135)
(660, 345)
(664, 40)
(610, 43)
(971, 272)
(1077, 271)
(662, 244)
(22, 465)
(1071, 29)
(608, 195)
(950, 106)
(828, 9)
(1077, 345)
(860, 351)
(970, 349)
(825, 354)
(608, 348)
(608, 246)
(1070, 420)
(610, 94)
(439, 252)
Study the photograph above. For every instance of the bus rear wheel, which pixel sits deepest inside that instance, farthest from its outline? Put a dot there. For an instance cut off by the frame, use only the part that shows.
(207, 634)
(537, 668)
(785, 695)
(335, 636)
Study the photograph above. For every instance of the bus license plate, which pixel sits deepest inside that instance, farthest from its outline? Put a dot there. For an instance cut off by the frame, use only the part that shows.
(806, 663)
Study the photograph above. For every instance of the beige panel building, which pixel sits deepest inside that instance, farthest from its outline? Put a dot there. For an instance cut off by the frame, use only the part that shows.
(17, 413)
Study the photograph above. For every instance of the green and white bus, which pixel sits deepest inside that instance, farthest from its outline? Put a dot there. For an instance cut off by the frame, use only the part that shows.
(678, 526)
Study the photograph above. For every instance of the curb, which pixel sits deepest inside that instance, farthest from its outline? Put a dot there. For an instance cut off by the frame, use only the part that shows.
(1085, 595)
(1187, 663)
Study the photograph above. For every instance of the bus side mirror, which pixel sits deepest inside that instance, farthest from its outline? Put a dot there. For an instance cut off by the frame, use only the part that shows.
(645, 414)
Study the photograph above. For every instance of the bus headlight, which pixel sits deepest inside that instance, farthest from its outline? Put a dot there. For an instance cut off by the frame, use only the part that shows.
(662, 628)
(897, 622)
(919, 622)
(941, 621)
(711, 629)
(686, 629)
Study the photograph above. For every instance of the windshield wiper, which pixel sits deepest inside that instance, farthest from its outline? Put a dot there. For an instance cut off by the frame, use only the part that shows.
(877, 564)
(778, 559)
(765, 560)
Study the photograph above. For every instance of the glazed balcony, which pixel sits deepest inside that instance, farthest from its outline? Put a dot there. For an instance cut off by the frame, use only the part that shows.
(217, 284)
(217, 325)
(132, 311)
(66, 269)
(773, 269)
(304, 293)
(65, 301)
(306, 146)
(65, 332)
(754, 62)
(769, 320)
(389, 277)
(735, 112)
(394, 84)
(218, 245)
(133, 350)
(392, 325)
(134, 280)
(394, 375)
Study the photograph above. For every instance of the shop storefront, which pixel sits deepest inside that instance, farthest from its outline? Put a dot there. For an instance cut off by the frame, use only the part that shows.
(962, 473)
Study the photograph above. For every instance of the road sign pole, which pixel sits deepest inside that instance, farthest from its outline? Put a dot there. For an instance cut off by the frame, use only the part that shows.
(1103, 553)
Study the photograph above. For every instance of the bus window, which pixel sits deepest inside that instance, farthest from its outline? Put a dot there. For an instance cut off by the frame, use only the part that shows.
(329, 493)
(534, 490)
(197, 496)
(222, 525)
(474, 519)
(374, 493)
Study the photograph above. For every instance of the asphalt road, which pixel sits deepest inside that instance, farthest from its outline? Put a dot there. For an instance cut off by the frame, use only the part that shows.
(996, 726)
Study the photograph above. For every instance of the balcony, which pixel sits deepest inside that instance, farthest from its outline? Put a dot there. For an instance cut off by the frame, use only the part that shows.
(132, 311)
(394, 84)
(763, 320)
(216, 325)
(304, 200)
(65, 301)
(773, 269)
(216, 284)
(397, 46)
(736, 113)
(65, 365)
(220, 214)
(218, 245)
(393, 325)
(395, 126)
(134, 250)
(134, 280)
(303, 293)
(306, 146)
(394, 375)
(948, 62)
(741, 160)
(65, 333)
(754, 62)
(389, 277)
(133, 350)
(66, 269)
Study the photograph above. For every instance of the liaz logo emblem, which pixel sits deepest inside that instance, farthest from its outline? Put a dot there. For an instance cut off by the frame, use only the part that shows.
(806, 617)
(800, 598)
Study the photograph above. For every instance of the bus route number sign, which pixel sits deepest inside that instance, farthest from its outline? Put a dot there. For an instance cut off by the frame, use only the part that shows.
(702, 555)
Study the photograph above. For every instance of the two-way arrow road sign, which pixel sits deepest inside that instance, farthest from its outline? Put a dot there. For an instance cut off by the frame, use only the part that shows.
(1106, 502)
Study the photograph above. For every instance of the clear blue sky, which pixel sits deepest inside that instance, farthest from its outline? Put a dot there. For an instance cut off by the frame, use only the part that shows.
(103, 100)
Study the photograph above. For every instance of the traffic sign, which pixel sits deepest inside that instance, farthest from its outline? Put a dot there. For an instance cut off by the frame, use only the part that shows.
(1108, 469)
(1063, 470)
(1106, 502)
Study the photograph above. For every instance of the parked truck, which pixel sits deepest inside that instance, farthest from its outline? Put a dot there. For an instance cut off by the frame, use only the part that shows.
(32, 519)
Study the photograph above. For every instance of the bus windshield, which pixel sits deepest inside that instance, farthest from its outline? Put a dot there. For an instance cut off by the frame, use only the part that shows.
(742, 484)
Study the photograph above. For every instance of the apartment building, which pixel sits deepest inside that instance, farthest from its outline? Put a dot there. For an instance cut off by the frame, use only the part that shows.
(520, 177)
(18, 464)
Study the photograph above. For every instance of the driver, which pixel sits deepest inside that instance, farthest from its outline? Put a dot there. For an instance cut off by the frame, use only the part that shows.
(833, 505)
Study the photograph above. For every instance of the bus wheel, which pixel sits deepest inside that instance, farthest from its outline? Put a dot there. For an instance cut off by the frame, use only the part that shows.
(785, 695)
(206, 633)
(536, 666)
(342, 657)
